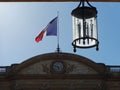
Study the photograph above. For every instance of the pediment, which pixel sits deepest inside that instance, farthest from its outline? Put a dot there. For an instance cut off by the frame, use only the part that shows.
(44, 64)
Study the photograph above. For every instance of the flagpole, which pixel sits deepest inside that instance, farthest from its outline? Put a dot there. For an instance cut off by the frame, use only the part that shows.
(58, 48)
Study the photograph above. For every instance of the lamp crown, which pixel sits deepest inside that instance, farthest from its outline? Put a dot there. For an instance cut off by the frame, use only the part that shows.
(84, 12)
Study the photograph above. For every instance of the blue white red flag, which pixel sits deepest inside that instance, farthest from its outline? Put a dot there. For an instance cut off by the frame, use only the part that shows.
(49, 30)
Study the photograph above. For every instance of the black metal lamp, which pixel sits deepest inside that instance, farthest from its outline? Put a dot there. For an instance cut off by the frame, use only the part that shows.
(85, 34)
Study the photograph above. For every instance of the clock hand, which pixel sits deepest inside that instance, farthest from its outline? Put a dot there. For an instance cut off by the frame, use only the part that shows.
(57, 67)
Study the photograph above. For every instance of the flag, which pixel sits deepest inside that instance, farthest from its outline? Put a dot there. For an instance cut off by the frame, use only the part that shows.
(49, 30)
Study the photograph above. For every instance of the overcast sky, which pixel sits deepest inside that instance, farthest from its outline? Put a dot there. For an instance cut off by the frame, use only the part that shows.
(21, 22)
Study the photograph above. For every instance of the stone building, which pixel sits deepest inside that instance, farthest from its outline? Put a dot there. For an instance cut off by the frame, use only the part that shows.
(59, 71)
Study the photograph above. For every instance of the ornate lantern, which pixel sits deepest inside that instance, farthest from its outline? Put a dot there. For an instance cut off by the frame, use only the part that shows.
(85, 33)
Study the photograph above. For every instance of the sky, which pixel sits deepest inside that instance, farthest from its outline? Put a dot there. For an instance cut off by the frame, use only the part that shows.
(21, 22)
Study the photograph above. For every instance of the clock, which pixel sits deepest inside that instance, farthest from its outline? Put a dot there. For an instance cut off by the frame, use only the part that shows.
(57, 67)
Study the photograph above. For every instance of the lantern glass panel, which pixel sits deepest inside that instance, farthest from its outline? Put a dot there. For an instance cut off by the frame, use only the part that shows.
(84, 32)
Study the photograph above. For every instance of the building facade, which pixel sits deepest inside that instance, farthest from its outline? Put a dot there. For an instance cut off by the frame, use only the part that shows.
(59, 71)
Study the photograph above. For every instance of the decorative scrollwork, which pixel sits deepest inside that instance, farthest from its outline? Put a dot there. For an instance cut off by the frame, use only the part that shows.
(70, 68)
(46, 68)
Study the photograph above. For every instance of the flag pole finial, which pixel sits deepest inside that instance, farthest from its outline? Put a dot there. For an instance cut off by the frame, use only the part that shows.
(58, 49)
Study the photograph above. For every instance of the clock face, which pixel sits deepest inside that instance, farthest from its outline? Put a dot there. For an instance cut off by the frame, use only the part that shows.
(57, 67)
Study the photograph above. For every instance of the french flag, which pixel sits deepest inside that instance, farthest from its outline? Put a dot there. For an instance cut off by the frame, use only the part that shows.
(49, 30)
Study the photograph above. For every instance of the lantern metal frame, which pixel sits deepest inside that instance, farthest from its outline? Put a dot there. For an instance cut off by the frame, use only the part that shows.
(85, 12)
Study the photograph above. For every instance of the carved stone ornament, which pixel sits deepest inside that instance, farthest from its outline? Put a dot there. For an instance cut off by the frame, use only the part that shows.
(46, 68)
(70, 68)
